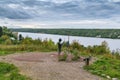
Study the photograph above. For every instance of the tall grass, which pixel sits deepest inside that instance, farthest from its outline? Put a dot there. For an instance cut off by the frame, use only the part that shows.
(8, 49)
(28, 45)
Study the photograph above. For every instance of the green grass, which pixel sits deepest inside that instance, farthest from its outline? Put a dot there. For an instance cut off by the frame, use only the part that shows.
(63, 57)
(10, 49)
(5, 52)
(105, 66)
(10, 72)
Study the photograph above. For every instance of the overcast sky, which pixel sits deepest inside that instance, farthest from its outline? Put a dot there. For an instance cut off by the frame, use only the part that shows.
(60, 13)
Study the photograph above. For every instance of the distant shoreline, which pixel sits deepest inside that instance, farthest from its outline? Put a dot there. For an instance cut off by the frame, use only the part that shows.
(97, 33)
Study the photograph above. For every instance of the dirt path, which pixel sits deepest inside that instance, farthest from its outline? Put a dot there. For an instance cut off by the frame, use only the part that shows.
(45, 66)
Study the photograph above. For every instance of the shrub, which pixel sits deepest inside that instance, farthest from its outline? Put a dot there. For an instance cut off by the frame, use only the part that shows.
(63, 57)
(8, 42)
(76, 45)
(27, 40)
(76, 55)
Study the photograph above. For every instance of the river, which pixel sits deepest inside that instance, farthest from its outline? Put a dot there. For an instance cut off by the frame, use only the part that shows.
(113, 44)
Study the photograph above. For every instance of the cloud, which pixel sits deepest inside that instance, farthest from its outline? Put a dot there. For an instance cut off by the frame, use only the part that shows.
(114, 0)
(26, 9)
(60, 10)
(13, 11)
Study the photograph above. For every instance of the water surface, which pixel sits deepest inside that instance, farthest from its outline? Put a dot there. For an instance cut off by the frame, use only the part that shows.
(113, 44)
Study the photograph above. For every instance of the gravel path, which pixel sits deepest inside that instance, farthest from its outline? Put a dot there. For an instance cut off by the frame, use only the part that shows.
(45, 66)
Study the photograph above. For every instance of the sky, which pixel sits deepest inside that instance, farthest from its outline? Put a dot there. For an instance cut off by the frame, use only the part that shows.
(60, 13)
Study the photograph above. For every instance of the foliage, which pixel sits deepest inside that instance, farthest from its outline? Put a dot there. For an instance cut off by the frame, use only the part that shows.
(10, 72)
(26, 45)
(6, 68)
(90, 50)
(103, 66)
(4, 52)
(17, 76)
(98, 49)
(8, 32)
(9, 45)
(27, 40)
(76, 55)
(76, 45)
(6, 36)
(5, 40)
(116, 54)
(63, 57)
(102, 33)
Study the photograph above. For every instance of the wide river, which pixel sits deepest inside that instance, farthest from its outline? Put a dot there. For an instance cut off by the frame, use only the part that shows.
(113, 44)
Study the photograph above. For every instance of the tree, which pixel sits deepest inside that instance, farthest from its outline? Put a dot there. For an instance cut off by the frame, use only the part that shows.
(1, 31)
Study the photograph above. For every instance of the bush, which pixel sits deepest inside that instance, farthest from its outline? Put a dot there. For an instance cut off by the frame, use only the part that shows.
(27, 44)
(63, 57)
(76, 55)
(27, 40)
(8, 42)
(76, 45)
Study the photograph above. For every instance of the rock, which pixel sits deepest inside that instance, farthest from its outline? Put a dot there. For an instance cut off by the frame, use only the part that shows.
(108, 77)
(103, 75)
(4, 58)
(52, 55)
(114, 79)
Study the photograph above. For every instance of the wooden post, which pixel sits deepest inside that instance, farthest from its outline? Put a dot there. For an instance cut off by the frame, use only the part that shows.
(87, 60)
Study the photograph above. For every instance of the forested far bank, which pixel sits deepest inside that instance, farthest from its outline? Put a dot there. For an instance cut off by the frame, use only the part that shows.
(100, 33)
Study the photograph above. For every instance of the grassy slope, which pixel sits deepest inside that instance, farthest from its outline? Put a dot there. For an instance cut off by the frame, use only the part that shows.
(10, 72)
(105, 66)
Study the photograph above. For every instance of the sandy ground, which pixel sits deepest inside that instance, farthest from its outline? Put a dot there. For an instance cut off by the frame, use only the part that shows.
(45, 66)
